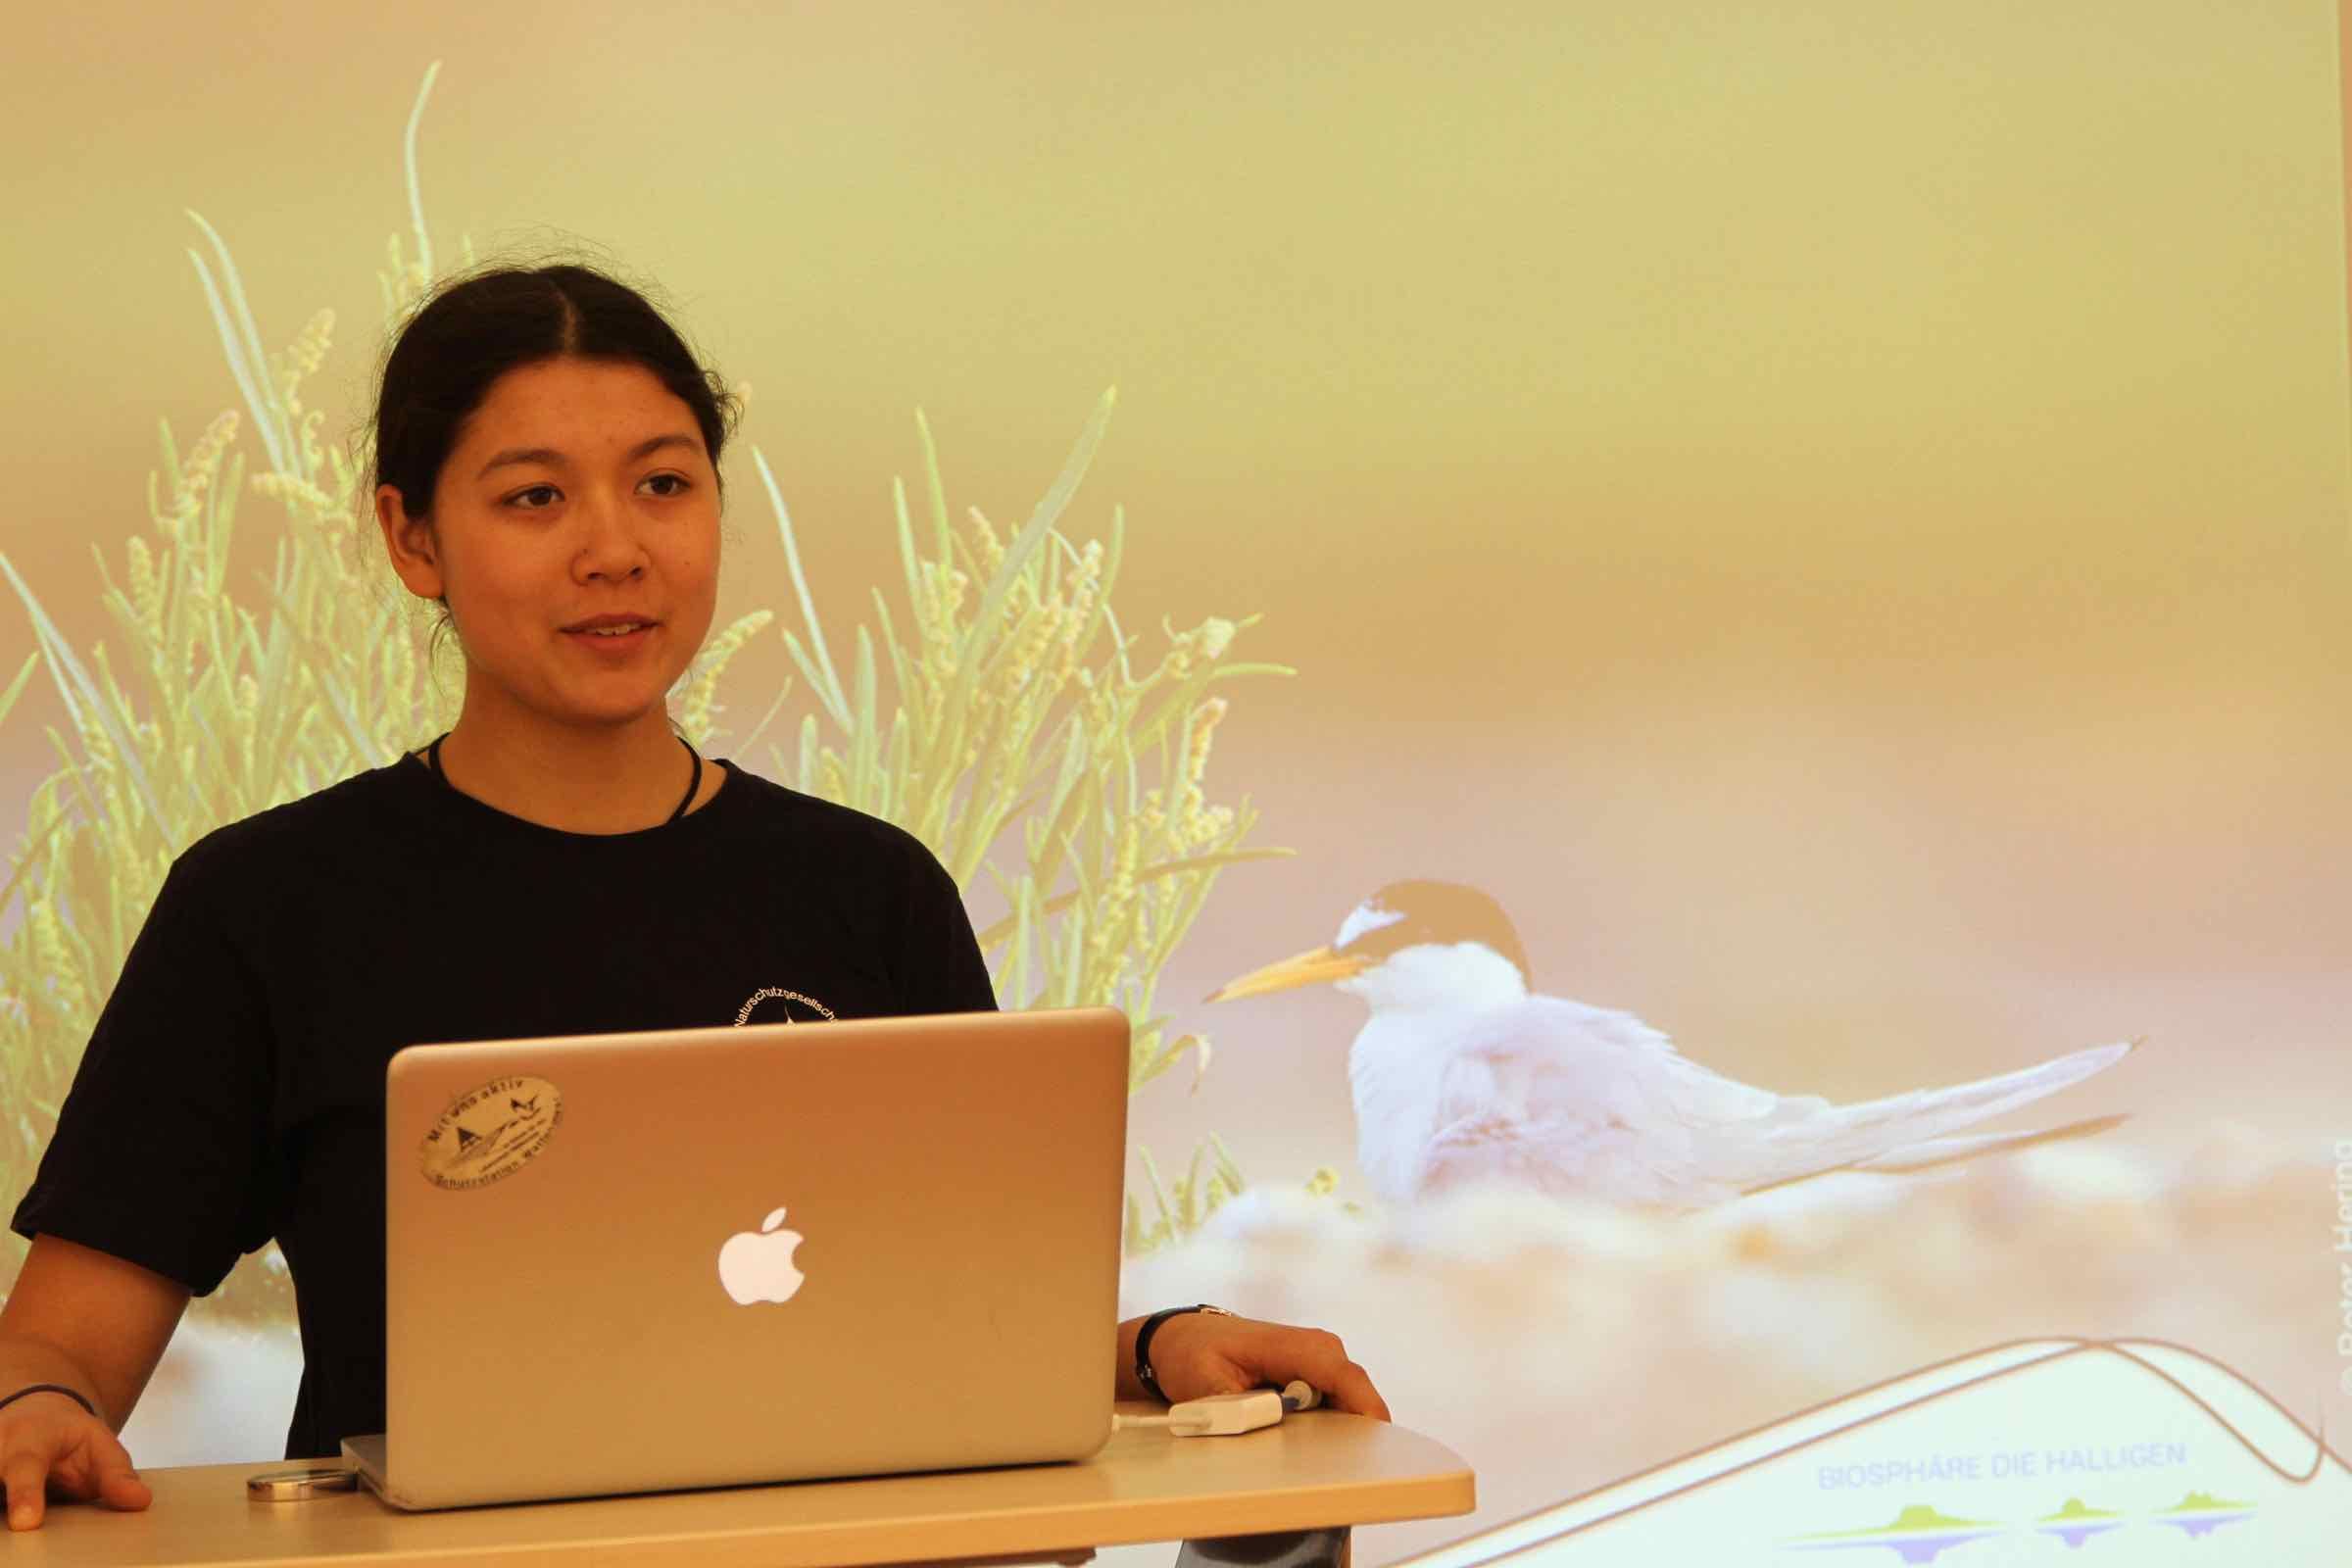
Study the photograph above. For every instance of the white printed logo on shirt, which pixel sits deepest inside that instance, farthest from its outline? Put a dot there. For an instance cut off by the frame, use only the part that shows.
(790, 1006)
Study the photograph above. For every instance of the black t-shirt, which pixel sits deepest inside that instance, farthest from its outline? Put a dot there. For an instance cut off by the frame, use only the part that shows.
(233, 1088)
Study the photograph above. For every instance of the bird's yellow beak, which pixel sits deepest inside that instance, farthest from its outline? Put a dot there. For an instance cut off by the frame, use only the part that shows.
(1315, 966)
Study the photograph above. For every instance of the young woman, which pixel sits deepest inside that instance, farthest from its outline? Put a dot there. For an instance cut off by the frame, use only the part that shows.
(561, 862)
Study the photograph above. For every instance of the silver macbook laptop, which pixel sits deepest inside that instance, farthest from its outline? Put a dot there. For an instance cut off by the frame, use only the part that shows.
(709, 1258)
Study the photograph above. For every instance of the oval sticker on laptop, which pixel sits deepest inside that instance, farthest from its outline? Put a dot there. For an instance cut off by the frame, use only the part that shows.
(491, 1132)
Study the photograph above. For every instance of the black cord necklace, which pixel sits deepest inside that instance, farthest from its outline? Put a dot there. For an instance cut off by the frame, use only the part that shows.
(433, 756)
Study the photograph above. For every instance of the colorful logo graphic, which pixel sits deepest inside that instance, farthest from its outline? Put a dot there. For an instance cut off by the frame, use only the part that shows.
(2129, 1452)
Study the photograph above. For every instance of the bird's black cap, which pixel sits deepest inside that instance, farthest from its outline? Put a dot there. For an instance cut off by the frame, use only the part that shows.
(1440, 914)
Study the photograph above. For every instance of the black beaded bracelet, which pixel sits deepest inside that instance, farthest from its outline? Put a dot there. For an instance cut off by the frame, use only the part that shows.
(1142, 1345)
(49, 1388)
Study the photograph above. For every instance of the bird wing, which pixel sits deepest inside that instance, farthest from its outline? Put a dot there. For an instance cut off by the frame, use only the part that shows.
(1570, 1099)
(1886, 1133)
(1935, 1152)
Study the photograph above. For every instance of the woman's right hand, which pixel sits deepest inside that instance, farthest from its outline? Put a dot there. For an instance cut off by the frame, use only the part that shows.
(51, 1446)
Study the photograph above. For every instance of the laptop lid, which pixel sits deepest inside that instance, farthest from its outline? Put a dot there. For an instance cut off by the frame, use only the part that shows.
(637, 1262)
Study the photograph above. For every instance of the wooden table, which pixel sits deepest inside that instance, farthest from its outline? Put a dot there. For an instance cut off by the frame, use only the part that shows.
(1316, 1474)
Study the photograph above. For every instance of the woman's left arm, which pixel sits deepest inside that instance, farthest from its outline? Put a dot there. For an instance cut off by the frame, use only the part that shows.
(1197, 1353)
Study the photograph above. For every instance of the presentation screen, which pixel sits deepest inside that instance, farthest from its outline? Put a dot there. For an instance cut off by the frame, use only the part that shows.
(1689, 665)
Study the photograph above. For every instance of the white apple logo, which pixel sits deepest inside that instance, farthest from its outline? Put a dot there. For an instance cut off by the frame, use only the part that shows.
(756, 1266)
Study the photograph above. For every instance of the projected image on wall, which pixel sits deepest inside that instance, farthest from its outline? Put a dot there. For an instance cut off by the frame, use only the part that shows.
(1696, 699)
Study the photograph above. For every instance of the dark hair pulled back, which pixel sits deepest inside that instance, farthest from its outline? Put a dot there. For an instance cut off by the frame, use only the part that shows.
(475, 326)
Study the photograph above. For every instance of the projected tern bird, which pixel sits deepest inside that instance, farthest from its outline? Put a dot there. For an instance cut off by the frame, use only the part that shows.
(1462, 1075)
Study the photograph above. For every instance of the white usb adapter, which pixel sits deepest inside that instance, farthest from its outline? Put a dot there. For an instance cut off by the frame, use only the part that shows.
(1222, 1415)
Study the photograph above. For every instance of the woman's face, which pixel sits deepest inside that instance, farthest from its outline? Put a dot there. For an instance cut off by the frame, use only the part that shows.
(578, 490)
